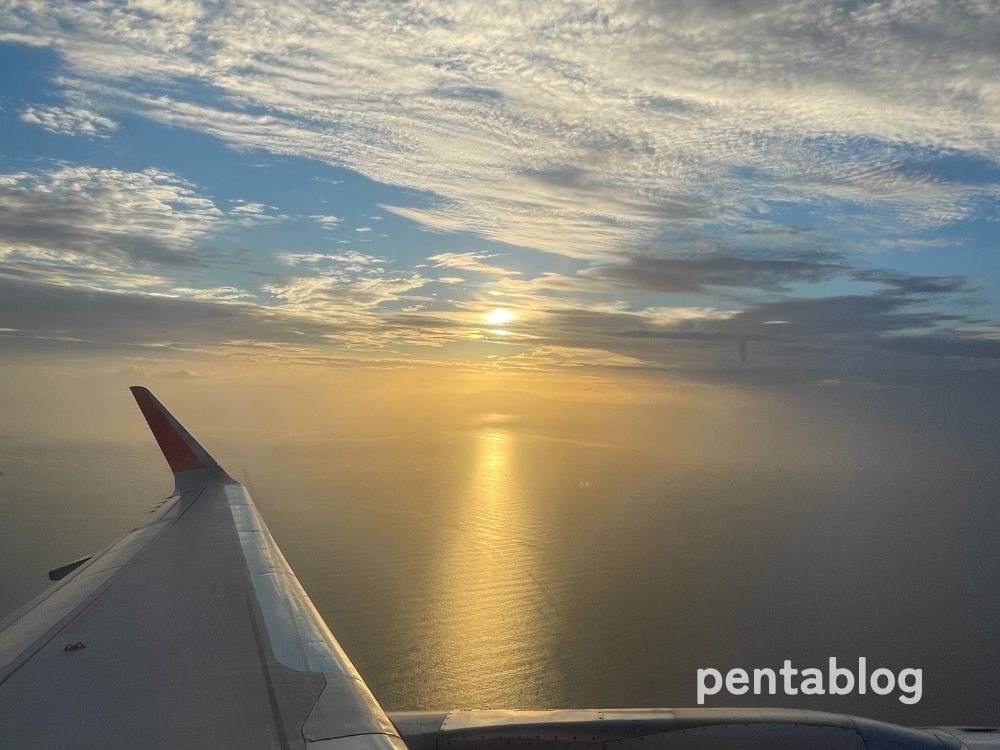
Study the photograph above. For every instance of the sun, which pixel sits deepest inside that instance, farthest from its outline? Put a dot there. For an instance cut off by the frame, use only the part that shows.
(499, 317)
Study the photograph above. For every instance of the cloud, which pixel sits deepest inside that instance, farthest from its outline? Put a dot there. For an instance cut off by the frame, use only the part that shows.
(129, 319)
(351, 258)
(115, 230)
(69, 120)
(894, 328)
(854, 315)
(326, 220)
(884, 335)
(469, 261)
(86, 213)
(338, 294)
(216, 294)
(249, 209)
(697, 274)
(907, 285)
(568, 356)
(577, 128)
(312, 323)
(733, 151)
(710, 273)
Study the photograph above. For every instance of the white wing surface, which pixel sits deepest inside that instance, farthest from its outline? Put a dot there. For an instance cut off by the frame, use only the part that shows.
(191, 631)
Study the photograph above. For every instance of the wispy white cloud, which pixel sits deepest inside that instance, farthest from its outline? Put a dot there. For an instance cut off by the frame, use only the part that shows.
(338, 294)
(612, 132)
(249, 209)
(543, 357)
(326, 220)
(573, 128)
(69, 120)
(211, 294)
(250, 213)
(469, 261)
(113, 230)
(350, 258)
(88, 212)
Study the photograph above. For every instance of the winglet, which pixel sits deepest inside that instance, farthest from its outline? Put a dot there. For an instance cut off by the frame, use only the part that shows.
(183, 452)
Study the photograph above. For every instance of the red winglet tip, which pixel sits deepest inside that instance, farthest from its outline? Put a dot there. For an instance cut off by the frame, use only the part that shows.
(178, 453)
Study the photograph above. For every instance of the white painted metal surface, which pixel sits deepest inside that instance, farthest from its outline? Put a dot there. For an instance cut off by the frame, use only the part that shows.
(300, 639)
(29, 625)
(189, 632)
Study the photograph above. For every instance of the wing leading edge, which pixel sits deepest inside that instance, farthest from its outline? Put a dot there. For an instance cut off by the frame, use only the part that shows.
(190, 631)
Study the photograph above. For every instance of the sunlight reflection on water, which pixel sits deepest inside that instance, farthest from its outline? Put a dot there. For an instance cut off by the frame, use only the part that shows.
(506, 567)
(491, 624)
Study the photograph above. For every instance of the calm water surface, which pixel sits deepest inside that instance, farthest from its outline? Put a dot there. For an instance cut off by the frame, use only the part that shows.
(502, 566)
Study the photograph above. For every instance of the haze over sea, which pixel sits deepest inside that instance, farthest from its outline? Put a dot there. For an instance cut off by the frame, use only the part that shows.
(481, 547)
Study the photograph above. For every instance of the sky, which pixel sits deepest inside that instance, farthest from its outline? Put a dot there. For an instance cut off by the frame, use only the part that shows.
(658, 291)
(699, 191)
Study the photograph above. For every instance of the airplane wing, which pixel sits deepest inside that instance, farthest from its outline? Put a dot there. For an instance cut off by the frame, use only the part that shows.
(676, 729)
(189, 631)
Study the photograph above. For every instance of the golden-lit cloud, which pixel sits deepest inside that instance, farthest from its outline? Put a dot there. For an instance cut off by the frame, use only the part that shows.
(469, 261)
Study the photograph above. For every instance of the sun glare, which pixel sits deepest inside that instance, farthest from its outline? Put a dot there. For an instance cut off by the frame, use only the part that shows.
(499, 317)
